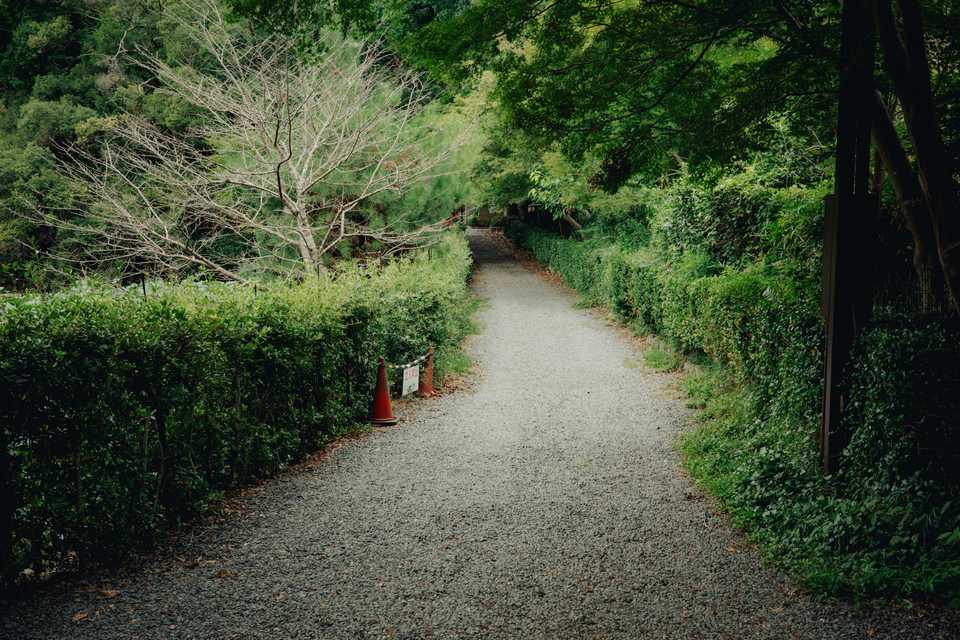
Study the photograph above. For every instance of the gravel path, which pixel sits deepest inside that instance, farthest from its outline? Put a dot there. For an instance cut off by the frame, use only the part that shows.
(547, 502)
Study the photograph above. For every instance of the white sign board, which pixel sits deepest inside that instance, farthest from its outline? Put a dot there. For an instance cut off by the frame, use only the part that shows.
(411, 379)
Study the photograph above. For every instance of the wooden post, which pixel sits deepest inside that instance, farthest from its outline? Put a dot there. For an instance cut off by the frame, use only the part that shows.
(848, 247)
(848, 223)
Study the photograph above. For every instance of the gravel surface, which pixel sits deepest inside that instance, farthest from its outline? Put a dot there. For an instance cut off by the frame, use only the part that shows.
(546, 502)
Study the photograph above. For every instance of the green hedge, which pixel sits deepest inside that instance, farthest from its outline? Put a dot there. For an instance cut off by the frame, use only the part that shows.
(122, 414)
(890, 523)
(757, 321)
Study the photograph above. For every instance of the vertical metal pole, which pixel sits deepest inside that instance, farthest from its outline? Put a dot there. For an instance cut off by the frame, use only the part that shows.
(847, 225)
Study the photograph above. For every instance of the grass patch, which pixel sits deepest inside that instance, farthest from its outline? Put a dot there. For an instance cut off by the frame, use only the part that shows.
(712, 451)
(452, 361)
(662, 357)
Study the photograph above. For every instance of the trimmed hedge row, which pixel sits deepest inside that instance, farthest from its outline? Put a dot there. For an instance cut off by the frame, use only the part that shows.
(889, 523)
(122, 414)
(757, 321)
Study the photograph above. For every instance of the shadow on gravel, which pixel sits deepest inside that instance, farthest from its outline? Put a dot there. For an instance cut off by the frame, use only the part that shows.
(489, 246)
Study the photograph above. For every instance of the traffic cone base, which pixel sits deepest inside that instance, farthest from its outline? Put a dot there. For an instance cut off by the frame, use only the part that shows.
(382, 413)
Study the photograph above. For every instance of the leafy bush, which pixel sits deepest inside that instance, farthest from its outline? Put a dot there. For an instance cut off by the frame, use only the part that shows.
(904, 402)
(124, 414)
(738, 220)
(889, 523)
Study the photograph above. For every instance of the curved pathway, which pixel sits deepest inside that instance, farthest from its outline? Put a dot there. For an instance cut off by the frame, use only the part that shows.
(547, 502)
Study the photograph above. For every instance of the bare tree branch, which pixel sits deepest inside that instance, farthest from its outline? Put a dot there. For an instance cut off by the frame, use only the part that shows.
(288, 153)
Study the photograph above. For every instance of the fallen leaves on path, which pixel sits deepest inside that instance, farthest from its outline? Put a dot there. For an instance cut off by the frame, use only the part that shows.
(225, 573)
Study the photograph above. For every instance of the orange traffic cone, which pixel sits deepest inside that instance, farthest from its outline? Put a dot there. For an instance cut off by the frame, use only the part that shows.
(426, 381)
(382, 409)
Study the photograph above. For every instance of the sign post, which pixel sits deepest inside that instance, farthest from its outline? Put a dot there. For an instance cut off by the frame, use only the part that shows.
(411, 379)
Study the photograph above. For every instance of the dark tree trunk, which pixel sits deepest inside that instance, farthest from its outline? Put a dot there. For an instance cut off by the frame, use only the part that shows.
(906, 61)
(570, 220)
(848, 223)
(913, 205)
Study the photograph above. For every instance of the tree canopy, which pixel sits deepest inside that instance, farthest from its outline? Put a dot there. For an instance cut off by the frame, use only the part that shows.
(628, 93)
(640, 88)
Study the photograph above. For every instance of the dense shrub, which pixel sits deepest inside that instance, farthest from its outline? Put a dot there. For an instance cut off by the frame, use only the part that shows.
(757, 321)
(889, 524)
(904, 402)
(124, 413)
(737, 220)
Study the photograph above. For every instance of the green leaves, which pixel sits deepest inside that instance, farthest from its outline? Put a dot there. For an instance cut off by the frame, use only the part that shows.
(635, 84)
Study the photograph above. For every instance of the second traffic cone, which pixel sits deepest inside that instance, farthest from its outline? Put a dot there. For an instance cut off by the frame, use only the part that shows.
(382, 409)
(426, 382)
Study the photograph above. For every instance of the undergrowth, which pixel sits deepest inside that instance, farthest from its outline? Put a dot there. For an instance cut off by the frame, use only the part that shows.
(661, 357)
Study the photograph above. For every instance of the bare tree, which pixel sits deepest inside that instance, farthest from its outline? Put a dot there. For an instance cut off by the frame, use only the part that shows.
(288, 153)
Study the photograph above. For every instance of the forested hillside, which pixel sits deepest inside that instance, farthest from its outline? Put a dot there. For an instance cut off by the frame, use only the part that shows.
(80, 78)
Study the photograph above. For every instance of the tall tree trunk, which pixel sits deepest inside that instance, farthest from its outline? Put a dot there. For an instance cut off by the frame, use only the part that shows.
(305, 257)
(307, 244)
(913, 205)
(906, 60)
